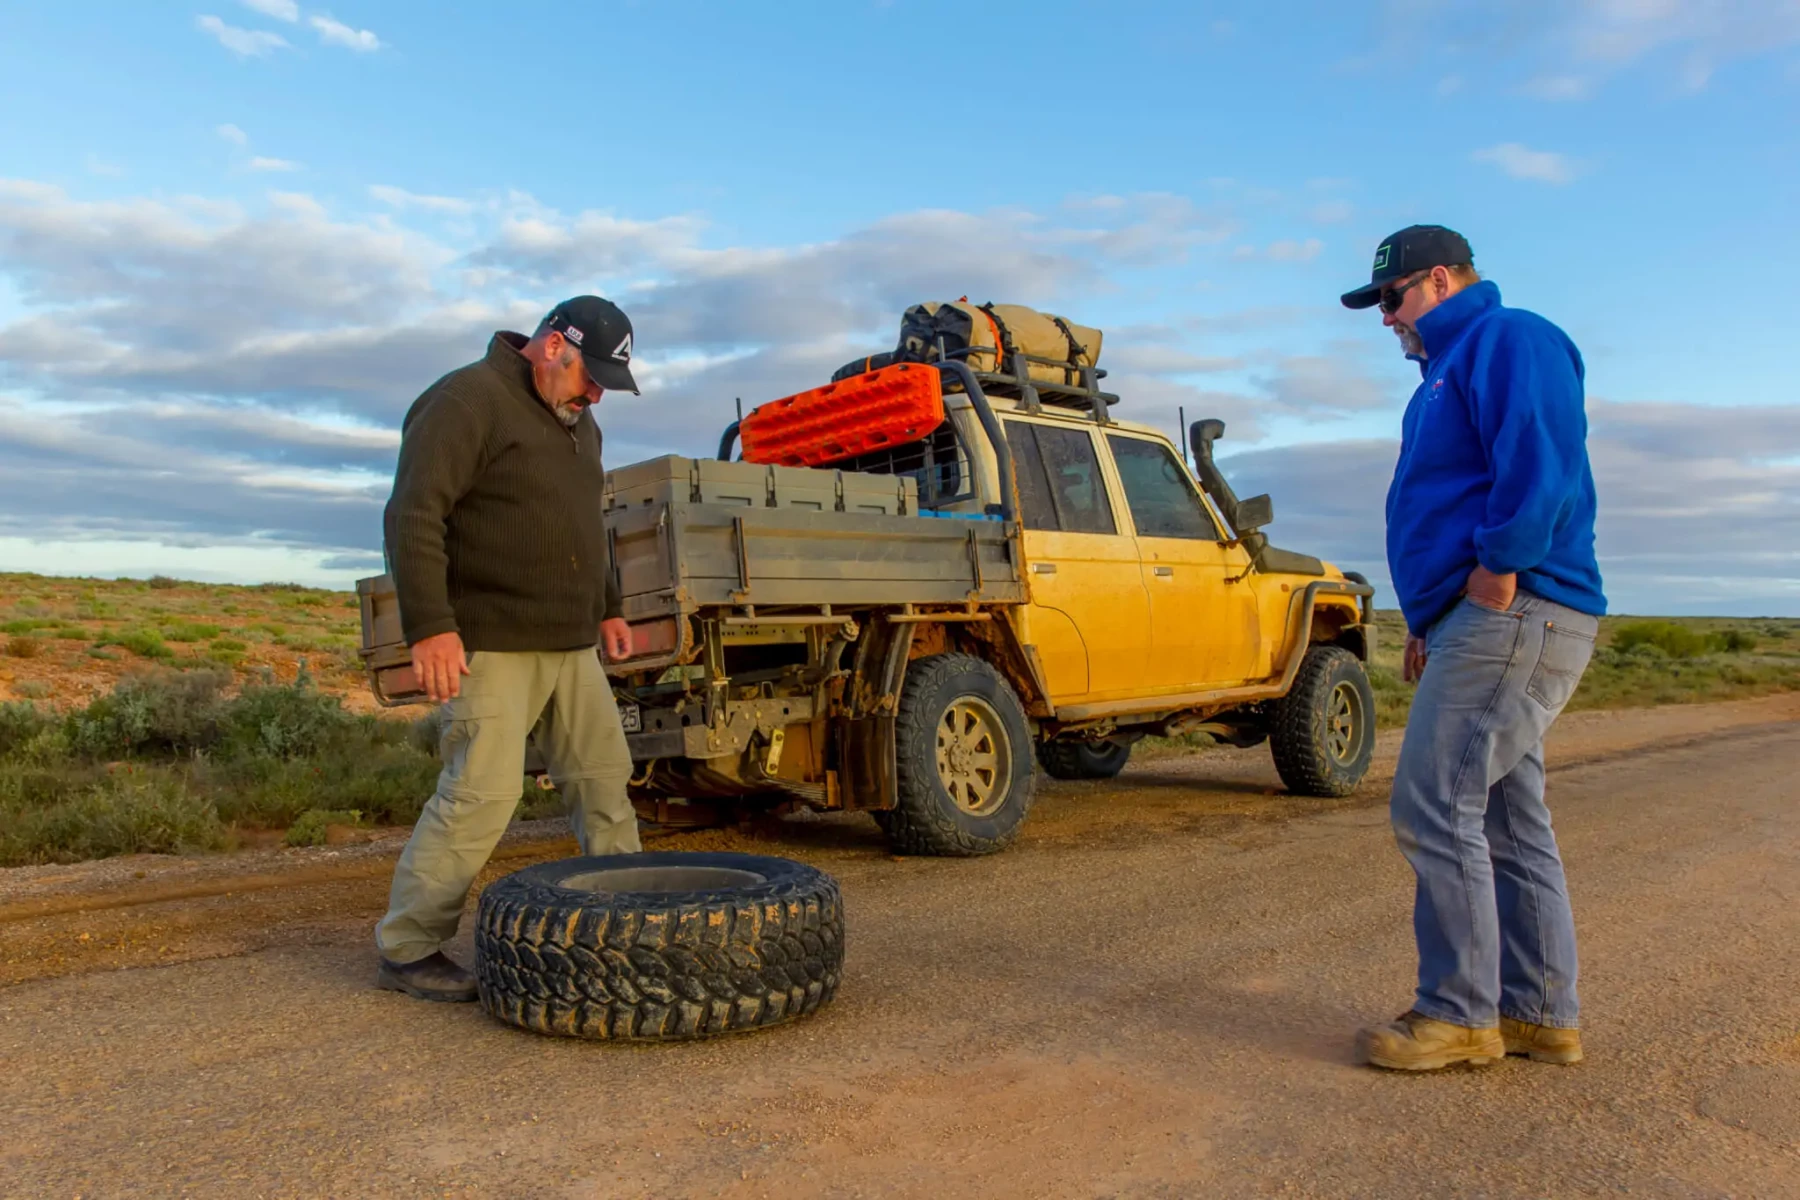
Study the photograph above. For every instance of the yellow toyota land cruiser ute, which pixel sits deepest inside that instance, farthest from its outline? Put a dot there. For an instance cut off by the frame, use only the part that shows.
(920, 581)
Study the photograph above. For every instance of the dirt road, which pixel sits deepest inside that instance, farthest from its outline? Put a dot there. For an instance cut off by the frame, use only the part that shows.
(1152, 995)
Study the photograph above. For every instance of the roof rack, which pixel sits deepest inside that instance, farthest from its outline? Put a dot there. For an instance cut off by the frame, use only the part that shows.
(1033, 394)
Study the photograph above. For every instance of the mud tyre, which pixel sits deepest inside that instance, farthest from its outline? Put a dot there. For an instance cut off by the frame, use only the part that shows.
(1084, 760)
(963, 772)
(658, 947)
(1322, 734)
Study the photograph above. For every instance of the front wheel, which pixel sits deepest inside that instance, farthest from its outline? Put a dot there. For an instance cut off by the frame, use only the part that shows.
(1323, 731)
(962, 765)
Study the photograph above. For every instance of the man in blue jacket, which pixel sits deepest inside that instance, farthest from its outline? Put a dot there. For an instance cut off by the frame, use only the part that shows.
(1490, 542)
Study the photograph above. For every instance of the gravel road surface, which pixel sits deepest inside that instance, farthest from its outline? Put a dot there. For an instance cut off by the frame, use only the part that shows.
(1152, 995)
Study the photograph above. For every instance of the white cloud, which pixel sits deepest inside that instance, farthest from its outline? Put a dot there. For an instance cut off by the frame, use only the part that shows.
(1332, 212)
(1288, 250)
(1284, 250)
(99, 166)
(1522, 162)
(234, 135)
(1559, 87)
(281, 10)
(203, 373)
(260, 163)
(336, 33)
(400, 198)
(245, 43)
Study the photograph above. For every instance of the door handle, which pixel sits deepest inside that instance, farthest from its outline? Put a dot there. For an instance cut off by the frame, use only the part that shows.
(1043, 568)
(1164, 571)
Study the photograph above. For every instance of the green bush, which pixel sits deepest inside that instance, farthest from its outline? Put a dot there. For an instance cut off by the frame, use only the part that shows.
(286, 722)
(128, 812)
(226, 643)
(173, 712)
(190, 632)
(1734, 641)
(28, 624)
(163, 582)
(309, 828)
(145, 643)
(1675, 641)
(20, 722)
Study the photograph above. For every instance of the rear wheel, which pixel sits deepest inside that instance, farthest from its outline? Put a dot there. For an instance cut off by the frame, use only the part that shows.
(1084, 760)
(1323, 731)
(962, 760)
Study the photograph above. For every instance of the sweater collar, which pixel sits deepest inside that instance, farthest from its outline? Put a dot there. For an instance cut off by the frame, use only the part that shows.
(503, 354)
(1440, 328)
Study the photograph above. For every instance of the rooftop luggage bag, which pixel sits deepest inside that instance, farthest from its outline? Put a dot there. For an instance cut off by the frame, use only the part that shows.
(990, 331)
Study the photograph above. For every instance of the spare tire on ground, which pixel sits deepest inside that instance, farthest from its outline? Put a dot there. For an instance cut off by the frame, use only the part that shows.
(658, 947)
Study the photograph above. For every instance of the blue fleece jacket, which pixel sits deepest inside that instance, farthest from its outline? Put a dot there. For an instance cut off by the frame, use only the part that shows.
(1493, 462)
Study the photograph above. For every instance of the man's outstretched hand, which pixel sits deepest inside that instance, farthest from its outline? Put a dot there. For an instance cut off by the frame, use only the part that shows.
(615, 639)
(439, 663)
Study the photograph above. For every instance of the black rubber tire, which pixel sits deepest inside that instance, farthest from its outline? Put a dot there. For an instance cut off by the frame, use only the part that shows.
(925, 819)
(1084, 760)
(1300, 735)
(657, 965)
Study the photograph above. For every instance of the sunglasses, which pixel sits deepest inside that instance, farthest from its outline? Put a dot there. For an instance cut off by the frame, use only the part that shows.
(1393, 298)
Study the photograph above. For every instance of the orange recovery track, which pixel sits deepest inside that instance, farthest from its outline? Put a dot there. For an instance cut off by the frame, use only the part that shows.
(890, 407)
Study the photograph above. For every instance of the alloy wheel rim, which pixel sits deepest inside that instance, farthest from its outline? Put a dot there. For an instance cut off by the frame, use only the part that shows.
(974, 757)
(1343, 722)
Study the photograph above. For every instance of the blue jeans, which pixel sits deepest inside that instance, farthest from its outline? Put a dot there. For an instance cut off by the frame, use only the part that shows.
(1491, 914)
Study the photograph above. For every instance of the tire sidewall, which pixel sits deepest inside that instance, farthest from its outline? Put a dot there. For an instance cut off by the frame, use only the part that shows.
(930, 693)
(1345, 669)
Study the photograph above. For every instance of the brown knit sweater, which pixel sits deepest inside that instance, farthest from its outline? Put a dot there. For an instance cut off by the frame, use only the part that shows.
(494, 529)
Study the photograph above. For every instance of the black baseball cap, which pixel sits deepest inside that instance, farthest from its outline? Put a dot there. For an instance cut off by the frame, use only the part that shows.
(602, 333)
(1415, 248)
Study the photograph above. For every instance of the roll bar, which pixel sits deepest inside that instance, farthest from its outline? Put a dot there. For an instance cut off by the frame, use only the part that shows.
(984, 412)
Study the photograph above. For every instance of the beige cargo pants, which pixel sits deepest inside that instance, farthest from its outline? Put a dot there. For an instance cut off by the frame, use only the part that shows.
(560, 699)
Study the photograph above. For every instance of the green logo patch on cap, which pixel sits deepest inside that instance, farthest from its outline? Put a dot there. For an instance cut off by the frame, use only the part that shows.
(1381, 257)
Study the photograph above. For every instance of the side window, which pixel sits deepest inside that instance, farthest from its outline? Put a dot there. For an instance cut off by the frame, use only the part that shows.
(1163, 502)
(1037, 510)
(1059, 479)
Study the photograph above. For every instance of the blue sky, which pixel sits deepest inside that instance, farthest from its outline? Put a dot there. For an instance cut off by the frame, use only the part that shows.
(237, 239)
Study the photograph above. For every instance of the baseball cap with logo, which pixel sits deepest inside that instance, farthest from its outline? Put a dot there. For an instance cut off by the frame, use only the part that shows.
(602, 333)
(1415, 248)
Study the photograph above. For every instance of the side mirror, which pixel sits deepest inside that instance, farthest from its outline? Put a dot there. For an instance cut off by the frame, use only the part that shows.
(1253, 514)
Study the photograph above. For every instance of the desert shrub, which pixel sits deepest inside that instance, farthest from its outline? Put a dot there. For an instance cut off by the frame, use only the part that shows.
(190, 632)
(70, 633)
(1734, 641)
(309, 828)
(148, 811)
(27, 624)
(32, 689)
(174, 712)
(145, 643)
(163, 582)
(1675, 641)
(24, 647)
(20, 722)
(277, 721)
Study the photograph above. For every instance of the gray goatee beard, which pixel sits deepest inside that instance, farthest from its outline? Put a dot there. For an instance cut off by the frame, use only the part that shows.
(569, 413)
(1410, 342)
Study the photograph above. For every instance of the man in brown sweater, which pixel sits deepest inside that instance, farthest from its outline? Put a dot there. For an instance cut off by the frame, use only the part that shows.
(499, 556)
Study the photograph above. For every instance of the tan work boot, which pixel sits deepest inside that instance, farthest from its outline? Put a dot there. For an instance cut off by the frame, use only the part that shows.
(1416, 1043)
(1544, 1043)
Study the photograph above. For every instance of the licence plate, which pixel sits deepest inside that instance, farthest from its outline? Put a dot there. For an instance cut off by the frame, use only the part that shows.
(631, 717)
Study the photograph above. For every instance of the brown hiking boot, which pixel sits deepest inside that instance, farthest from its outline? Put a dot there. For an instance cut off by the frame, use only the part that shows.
(1416, 1043)
(1543, 1043)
